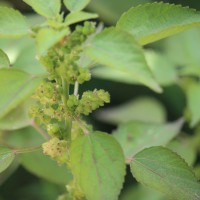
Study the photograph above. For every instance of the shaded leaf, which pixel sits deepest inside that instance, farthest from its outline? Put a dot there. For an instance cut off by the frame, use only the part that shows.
(43, 167)
(17, 118)
(162, 169)
(76, 5)
(15, 86)
(12, 23)
(6, 158)
(136, 136)
(136, 109)
(98, 165)
(4, 60)
(49, 8)
(119, 50)
(79, 16)
(193, 99)
(147, 25)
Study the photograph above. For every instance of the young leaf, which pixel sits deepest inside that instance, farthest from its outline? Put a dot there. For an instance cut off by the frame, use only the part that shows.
(48, 9)
(47, 37)
(193, 99)
(162, 169)
(76, 5)
(4, 60)
(137, 110)
(119, 50)
(42, 166)
(136, 136)
(6, 158)
(79, 16)
(15, 86)
(151, 22)
(12, 23)
(98, 164)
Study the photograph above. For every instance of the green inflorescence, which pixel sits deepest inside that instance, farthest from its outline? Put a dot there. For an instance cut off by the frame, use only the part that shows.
(58, 111)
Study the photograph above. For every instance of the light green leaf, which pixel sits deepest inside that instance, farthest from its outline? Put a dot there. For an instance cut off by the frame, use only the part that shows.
(49, 9)
(119, 50)
(162, 169)
(183, 147)
(4, 60)
(79, 16)
(43, 167)
(6, 158)
(151, 22)
(193, 99)
(47, 37)
(98, 165)
(26, 60)
(15, 86)
(17, 118)
(76, 5)
(136, 136)
(136, 109)
(162, 68)
(12, 23)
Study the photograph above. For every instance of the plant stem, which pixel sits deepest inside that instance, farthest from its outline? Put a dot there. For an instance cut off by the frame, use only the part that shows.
(76, 86)
(40, 130)
(68, 121)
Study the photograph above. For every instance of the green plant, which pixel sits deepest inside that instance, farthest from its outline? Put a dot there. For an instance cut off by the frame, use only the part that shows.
(96, 160)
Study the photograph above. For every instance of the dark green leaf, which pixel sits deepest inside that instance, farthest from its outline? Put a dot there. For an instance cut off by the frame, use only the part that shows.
(162, 169)
(6, 158)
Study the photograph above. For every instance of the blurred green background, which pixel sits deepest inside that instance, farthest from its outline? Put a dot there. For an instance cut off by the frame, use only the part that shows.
(179, 50)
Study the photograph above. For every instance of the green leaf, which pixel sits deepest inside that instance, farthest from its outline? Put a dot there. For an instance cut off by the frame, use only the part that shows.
(98, 165)
(76, 5)
(141, 192)
(162, 68)
(6, 158)
(152, 22)
(17, 118)
(162, 169)
(136, 136)
(43, 167)
(4, 60)
(136, 109)
(15, 86)
(110, 11)
(183, 147)
(26, 60)
(119, 50)
(47, 37)
(193, 99)
(49, 9)
(79, 16)
(12, 23)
